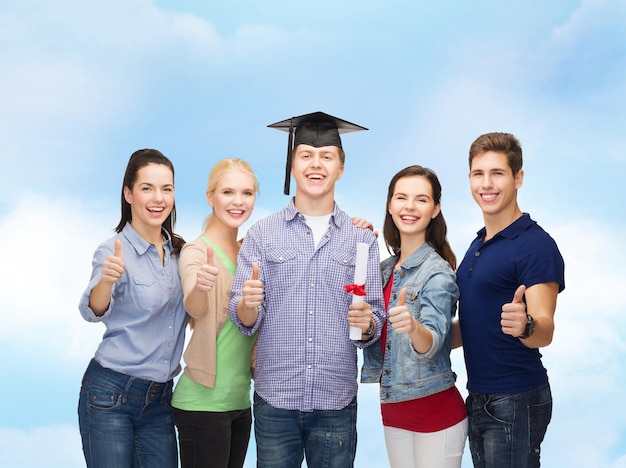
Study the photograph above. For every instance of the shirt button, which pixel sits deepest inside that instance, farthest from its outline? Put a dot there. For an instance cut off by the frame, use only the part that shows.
(309, 366)
(310, 340)
(476, 254)
(310, 312)
(402, 274)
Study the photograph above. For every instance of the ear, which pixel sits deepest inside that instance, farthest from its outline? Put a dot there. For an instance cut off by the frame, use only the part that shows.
(436, 211)
(519, 178)
(209, 198)
(128, 195)
(340, 172)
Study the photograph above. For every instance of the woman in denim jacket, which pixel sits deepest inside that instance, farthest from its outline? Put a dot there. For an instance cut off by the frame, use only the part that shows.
(424, 416)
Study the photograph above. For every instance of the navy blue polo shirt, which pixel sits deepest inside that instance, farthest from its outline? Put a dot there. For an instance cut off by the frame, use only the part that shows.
(522, 253)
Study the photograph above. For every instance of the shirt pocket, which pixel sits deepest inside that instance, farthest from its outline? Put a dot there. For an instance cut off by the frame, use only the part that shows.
(282, 263)
(342, 264)
(147, 291)
(413, 300)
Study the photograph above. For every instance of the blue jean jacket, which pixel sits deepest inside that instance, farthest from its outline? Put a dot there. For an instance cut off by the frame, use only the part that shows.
(431, 297)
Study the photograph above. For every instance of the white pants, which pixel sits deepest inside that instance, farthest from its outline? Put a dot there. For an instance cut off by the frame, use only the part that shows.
(443, 449)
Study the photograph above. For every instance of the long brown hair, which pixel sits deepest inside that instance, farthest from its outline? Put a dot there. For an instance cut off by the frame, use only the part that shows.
(139, 159)
(435, 232)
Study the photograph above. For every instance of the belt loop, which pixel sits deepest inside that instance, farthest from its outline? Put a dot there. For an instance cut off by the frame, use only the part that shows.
(127, 388)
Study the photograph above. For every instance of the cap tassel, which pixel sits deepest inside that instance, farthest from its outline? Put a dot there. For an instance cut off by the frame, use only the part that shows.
(288, 166)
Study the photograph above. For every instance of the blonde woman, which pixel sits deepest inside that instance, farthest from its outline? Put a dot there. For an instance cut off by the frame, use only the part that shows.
(212, 398)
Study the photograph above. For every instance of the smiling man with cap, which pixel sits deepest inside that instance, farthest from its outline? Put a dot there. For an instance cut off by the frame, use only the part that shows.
(289, 287)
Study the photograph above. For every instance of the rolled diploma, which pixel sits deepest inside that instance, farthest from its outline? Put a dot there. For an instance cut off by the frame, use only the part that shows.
(360, 274)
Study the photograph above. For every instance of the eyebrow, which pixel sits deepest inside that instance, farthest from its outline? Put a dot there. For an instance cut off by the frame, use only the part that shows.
(418, 195)
(151, 184)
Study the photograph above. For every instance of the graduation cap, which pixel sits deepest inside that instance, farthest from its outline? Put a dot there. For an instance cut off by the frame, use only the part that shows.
(317, 129)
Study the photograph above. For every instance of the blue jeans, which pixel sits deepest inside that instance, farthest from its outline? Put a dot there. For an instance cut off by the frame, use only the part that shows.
(506, 430)
(125, 421)
(216, 439)
(284, 437)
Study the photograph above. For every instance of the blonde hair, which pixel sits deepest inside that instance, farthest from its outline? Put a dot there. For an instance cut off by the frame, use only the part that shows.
(222, 167)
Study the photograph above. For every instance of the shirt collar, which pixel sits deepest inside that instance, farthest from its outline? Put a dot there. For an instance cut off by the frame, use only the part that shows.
(513, 230)
(418, 256)
(337, 217)
(140, 245)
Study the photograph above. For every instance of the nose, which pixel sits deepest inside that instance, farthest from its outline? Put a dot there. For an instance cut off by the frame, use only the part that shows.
(316, 161)
(487, 181)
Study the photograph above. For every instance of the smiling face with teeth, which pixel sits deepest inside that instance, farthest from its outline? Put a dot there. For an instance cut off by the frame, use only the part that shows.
(315, 171)
(233, 198)
(494, 186)
(412, 207)
(151, 199)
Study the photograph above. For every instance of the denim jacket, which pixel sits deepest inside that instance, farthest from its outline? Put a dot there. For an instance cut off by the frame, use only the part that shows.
(431, 297)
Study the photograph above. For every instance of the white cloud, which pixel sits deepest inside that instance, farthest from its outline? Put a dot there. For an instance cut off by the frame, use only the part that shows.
(54, 446)
(47, 264)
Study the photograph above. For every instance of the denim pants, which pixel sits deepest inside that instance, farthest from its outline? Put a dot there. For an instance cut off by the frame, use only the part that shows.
(506, 430)
(284, 437)
(125, 421)
(215, 439)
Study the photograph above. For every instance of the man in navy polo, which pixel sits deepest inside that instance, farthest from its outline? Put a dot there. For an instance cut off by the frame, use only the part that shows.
(508, 282)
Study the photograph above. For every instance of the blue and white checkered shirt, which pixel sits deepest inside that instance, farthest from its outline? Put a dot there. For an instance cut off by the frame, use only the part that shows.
(305, 359)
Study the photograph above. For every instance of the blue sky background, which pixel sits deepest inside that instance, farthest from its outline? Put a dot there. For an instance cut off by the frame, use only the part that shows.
(84, 84)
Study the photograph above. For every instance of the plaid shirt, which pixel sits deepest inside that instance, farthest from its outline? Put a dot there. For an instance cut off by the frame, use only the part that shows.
(305, 359)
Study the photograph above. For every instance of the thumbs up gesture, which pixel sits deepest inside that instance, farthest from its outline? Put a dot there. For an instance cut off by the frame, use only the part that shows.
(113, 267)
(207, 274)
(399, 316)
(513, 318)
(252, 289)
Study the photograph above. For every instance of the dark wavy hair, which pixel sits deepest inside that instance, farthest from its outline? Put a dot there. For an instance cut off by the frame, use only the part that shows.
(435, 232)
(139, 159)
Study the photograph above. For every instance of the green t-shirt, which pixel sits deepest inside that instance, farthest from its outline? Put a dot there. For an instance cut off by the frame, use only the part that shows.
(233, 368)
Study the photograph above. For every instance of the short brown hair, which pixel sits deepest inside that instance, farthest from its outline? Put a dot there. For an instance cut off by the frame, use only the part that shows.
(499, 142)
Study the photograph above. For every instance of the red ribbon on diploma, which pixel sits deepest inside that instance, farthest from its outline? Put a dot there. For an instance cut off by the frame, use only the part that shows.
(356, 289)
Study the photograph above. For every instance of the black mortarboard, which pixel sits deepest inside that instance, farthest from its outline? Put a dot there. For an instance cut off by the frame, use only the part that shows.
(317, 129)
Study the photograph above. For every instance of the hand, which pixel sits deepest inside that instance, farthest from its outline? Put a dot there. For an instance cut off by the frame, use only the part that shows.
(207, 274)
(252, 290)
(113, 267)
(360, 315)
(364, 224)
(514, 314)
(399, 316)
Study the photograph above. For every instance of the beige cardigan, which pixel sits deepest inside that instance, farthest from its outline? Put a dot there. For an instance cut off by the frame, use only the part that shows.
(200, 355)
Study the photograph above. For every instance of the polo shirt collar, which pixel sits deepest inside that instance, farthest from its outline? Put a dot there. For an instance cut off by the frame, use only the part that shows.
(513, 230)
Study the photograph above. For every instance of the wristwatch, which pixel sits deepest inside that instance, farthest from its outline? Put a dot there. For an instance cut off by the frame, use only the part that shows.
(530, 327)
(370, 330)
